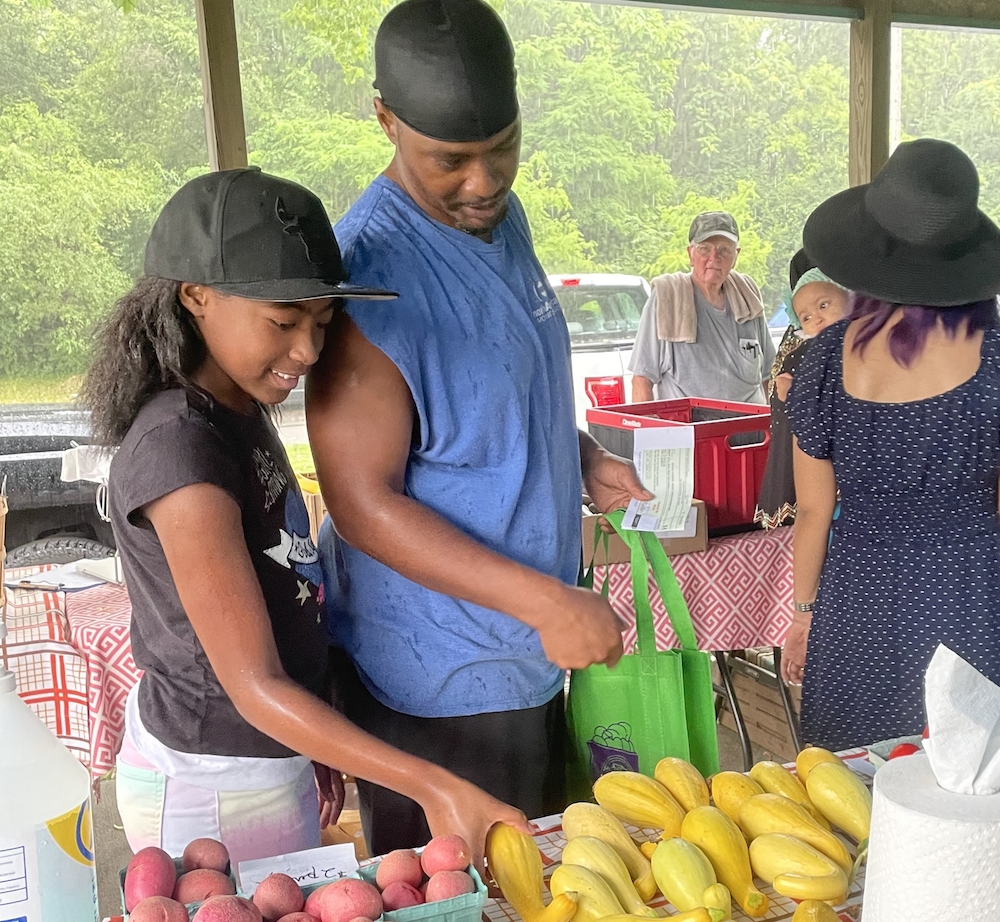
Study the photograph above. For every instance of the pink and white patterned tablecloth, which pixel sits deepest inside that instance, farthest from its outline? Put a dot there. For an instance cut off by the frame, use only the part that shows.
(99, 621)
(739, 592)
(51, 675)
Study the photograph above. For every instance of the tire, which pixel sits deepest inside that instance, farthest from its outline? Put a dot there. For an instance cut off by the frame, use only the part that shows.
(57, 549)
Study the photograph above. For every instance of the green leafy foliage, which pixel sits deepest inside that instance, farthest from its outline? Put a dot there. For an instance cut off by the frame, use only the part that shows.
(634, 121)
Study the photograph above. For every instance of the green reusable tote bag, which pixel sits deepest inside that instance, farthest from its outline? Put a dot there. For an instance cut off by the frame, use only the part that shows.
(653, 703)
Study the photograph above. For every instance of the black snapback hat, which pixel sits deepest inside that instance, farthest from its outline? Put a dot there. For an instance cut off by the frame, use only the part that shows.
(250, 234)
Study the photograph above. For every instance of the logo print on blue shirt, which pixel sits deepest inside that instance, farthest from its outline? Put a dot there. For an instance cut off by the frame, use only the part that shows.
(548, 306)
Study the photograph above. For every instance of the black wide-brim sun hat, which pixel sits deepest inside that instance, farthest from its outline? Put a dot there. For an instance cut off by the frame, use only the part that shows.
(914, 234)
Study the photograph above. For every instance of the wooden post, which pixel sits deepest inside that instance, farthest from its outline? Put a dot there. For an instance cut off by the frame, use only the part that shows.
(220, 80)
(871, 42)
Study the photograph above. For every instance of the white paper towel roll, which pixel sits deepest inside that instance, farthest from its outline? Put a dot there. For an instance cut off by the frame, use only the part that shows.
(933, 855)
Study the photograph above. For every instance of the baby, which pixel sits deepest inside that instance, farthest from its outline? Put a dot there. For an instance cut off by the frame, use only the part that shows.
(815, 303)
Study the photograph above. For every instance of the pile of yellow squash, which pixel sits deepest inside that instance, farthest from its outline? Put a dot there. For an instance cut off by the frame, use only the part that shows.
(771, 824)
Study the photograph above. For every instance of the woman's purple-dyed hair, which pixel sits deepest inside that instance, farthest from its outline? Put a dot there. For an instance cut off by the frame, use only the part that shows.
(908, 337)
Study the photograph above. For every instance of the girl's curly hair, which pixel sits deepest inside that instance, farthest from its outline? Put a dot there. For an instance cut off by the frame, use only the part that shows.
(149, 344)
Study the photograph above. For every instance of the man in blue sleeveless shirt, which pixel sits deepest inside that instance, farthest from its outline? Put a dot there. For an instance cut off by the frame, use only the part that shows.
(442, 427)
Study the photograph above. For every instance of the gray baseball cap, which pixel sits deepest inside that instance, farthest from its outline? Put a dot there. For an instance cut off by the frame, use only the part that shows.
(714, 224)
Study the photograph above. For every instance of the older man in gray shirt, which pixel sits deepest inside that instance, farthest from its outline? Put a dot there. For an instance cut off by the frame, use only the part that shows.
(703, 332)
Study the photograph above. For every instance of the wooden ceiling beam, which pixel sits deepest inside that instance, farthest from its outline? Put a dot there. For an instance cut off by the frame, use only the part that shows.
(968, 14)
(826, 9)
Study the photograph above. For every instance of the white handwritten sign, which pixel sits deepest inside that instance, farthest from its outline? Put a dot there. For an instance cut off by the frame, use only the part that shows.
(312, 866)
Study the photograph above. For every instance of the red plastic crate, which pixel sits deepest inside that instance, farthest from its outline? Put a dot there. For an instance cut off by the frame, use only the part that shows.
(727, 474)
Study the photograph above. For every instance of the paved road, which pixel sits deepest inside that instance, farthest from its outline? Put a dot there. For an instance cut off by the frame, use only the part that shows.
(44, 418)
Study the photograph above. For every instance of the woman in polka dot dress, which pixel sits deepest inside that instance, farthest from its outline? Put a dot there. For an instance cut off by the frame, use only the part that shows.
(898, 408)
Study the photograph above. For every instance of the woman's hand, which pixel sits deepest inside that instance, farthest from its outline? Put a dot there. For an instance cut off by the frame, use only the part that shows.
(457, 807)
(330, 787)
(782, 385)
(793, 653)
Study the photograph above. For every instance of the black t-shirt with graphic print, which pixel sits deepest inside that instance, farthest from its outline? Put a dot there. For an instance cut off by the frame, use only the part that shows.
(183, 437)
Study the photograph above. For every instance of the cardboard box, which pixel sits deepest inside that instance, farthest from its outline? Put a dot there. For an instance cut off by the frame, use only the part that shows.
(313, 499)
(763, 711)
(348, 829)
(618, 551)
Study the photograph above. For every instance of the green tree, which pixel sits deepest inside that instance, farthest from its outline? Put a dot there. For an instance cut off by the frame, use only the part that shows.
(58, 211)
(634, 121)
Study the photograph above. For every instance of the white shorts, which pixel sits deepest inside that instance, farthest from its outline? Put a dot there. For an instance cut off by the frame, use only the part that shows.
(163, 810)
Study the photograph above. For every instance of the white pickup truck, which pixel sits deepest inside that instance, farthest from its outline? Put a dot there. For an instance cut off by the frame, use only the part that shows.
(602, 313)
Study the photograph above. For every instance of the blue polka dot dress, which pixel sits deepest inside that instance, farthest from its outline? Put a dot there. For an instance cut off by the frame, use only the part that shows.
(915, 555)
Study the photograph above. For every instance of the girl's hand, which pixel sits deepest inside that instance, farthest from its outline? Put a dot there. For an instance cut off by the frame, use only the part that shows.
(793, 654)
(330, 787)
(457, 807)
(782, 385)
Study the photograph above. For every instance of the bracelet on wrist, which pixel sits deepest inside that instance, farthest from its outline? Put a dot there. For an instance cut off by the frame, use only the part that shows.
(804, 606)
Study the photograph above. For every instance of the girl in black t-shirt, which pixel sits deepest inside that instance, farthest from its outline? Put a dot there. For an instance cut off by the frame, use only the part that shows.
(242, 275)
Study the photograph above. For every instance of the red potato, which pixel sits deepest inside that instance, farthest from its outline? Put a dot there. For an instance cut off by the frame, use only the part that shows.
(313, 901)
(151, 872)
(358, 919)
(401, 865)
(445, 853)
(399, 895)
(202, 883)
(446, 884)
(229, 908)
(205, 853)
(278, 895)
(344, 900)
(159, 909)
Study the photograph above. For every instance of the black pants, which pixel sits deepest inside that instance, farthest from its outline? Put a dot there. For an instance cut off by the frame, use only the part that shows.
(517, 756)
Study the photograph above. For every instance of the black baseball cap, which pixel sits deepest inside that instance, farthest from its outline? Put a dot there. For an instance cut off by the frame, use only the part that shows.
(250, 234)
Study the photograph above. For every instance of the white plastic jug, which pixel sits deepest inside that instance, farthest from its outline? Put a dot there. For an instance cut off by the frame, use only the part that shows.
(47, 869)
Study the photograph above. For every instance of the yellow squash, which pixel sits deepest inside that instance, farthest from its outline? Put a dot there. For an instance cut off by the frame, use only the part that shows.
(796, 869)
(842, 797)
(814, 911)
(584, 819)
(684, 782)
(516, 865)
(773, 813)
(720, 839)
(730, 790)
(683, 873)
(599, 857)
(594, 896)
(809, 757)
(639, 800)
(701, 914)
(648, 848)
(776, 779)
(718, 897)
